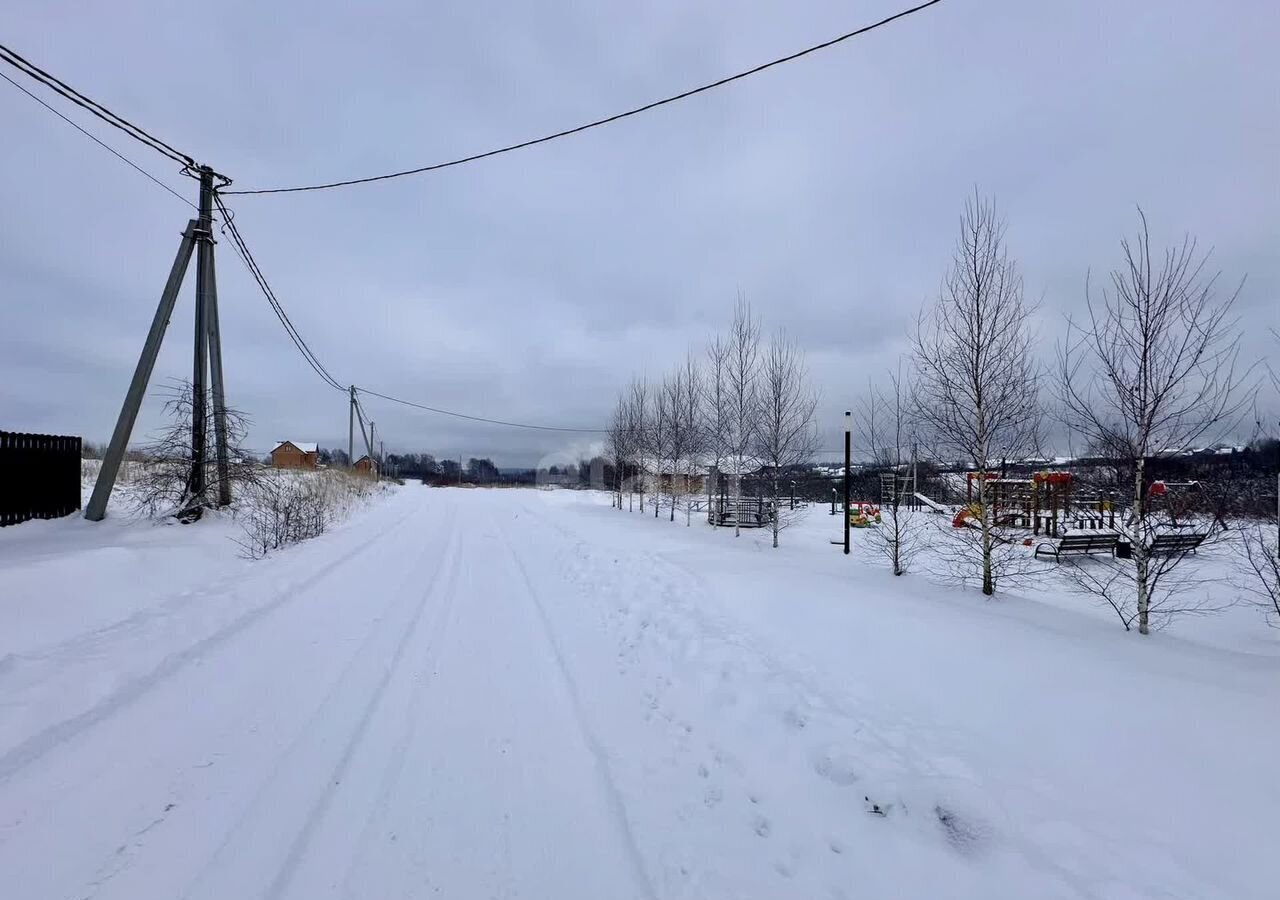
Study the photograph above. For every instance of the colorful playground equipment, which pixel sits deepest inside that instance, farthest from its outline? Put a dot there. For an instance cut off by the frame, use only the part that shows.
(1044, 503)
(863, 514)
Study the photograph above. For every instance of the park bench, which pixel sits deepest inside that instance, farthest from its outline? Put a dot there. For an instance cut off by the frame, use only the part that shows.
(1173, 542)
(1080, 542)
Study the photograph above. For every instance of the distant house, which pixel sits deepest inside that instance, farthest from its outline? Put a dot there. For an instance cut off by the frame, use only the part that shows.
(686, 476)
(363, 465)
(295, 455)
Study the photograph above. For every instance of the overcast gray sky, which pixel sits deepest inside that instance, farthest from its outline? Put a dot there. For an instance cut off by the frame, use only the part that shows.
(534, 285)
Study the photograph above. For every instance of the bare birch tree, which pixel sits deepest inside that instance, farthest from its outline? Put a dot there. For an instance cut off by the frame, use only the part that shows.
(677, 442)
(743, 373)
(659, 438)
(977, 386)
(638, 428)
(887, 430)
(1151, 370)
(616, 442)
(716, 413)
(785, 436)
(692, 400)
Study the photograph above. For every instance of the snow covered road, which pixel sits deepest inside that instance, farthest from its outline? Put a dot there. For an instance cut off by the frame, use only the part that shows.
(526, 694)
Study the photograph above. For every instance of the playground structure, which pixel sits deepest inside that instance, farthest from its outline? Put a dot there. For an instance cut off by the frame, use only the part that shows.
(1044, 503)
(743, 512)
(863, 514)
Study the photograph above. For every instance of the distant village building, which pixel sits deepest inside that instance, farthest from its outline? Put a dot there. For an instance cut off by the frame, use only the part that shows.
(364, 465)
(295, 455)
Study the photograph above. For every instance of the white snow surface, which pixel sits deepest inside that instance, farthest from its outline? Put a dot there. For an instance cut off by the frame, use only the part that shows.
(516, 693)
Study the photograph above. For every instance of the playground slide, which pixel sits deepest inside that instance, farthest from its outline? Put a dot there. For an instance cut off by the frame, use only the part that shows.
(932, 504)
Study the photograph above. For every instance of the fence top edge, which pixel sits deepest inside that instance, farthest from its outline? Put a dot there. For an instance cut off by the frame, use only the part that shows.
(33, 434)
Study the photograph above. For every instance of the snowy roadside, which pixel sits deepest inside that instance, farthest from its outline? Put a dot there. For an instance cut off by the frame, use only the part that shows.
(91, 609)
(837, 731)
(527, 692)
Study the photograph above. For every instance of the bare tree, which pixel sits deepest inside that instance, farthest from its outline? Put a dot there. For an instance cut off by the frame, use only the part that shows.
(660, 439)
(1262, 549)
(886, 428)
(1261, 581)
(785, 436)
(677, 435)
(977, 387)
(163, 484)
(716, 420)
(692, 400)
(743, 400)
(616, 442)
(639, 415)
(1152, 370)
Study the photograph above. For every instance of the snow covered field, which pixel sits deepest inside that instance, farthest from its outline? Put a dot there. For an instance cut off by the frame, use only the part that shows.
(517, 693)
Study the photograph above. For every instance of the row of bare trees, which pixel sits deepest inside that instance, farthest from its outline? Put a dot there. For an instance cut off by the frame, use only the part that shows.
(740, 408)
(1151, 369)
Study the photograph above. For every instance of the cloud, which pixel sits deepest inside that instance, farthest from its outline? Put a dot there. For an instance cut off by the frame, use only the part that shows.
(533, 286)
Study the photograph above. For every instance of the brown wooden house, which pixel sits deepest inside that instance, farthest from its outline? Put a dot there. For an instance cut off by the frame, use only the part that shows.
(363, 465)
(295, 455)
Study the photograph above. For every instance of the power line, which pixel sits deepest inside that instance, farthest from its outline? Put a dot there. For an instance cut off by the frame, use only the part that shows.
(470, 418)
(242, 249)
(91, 136)
(598, 122)
(56, 84)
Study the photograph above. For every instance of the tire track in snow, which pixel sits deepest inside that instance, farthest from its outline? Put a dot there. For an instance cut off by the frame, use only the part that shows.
(50, 738)
(610, 788)
(409, 730)
(266, 820)
(297, 850)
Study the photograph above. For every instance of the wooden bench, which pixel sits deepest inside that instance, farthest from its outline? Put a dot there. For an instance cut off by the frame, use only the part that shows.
(1173, 542)
(1081, 542)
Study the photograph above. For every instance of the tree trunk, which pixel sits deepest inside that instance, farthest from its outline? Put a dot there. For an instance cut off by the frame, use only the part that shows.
(988, 579)
(712, 477)
(897, 536)
(737, 500)
(1141, 563)
(776, 518)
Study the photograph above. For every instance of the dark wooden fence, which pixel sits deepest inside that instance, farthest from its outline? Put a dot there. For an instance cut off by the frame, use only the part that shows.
(39, 476)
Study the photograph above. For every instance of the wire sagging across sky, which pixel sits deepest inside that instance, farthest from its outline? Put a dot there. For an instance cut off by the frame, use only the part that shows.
(103, 144)
(598, 122)
(484, 419)
(246, 255)
(59, 86)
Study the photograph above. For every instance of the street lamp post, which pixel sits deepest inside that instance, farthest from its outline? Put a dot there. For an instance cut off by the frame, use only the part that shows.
(848, 429)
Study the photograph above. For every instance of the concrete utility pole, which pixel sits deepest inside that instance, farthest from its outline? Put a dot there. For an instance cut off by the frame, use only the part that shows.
(368, 445)
(373, 442)
(214, 335)
(351, 429)
(206, 360)
(200, 352)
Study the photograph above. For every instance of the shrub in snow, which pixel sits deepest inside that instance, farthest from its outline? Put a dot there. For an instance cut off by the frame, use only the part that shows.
(286, 507)
(1260, 578)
